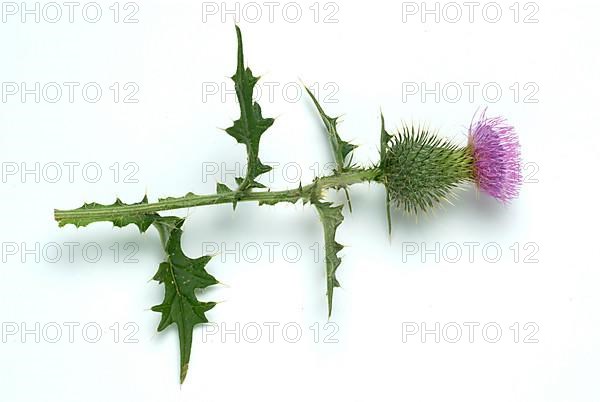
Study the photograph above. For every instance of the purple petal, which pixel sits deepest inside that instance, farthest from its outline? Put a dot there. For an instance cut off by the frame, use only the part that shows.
(497, 157)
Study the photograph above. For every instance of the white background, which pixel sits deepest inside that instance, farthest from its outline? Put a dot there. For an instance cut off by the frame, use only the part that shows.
(370, 57)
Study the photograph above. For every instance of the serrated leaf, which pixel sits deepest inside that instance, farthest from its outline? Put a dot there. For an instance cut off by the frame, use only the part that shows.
(383, 151)
(181, 276)
(251, 125)
(141, 219)
(341, 149)
(331, 218)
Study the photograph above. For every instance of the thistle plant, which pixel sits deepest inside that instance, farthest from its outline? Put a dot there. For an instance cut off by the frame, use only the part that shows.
(418, 169)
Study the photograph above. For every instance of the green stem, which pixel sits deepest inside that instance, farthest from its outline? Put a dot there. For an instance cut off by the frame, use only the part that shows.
(310, 193)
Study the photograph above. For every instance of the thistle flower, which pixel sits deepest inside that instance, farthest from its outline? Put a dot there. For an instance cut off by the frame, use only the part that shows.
(496, 157)
(420, 170)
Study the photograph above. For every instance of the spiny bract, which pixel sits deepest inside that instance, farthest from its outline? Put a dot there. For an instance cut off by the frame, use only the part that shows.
(421, 169)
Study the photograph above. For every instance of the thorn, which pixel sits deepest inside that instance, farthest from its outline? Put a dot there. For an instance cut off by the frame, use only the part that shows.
(183, 374)
(348, 198)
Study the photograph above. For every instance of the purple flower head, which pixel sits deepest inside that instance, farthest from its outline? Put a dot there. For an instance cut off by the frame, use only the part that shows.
(496, 157)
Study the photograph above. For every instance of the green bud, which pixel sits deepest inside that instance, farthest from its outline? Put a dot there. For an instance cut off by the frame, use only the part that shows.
(420, 169)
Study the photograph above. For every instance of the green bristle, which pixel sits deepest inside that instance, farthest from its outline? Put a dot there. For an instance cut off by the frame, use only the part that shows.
(420, 169)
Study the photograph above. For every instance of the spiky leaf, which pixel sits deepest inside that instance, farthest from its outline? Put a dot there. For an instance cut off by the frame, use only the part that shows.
(222, 188)
(331, 218)
(189, 194)
(181, 276)
(341, 149)
(251, 125)
(141, 219)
